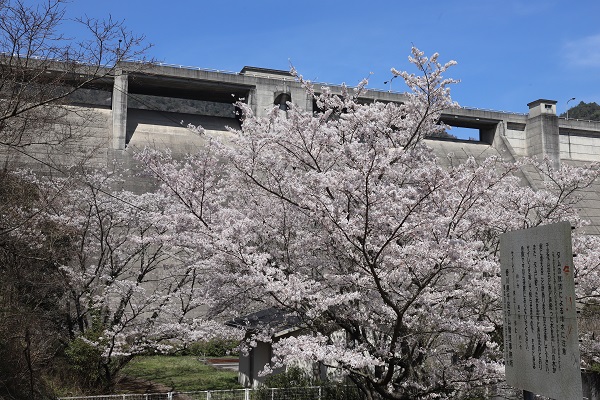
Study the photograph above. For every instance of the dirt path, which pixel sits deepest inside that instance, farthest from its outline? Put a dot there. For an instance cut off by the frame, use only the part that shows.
(128, 384)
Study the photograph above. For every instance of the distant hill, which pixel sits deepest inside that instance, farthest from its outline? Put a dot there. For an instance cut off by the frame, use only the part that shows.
(585, 111)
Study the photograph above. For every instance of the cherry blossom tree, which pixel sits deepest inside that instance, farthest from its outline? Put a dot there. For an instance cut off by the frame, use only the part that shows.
(125, 289)
(587, 289)
(345, 218)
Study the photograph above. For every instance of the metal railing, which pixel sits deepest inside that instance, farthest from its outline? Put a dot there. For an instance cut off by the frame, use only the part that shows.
(162, 64)
(496, 111)
(299, 393)
(575, 119)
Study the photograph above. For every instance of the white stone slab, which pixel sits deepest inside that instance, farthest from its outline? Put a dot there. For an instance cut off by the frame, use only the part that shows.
(541, 347)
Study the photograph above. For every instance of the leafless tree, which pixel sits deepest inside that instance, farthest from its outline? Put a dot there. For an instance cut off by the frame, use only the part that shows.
(41, 69)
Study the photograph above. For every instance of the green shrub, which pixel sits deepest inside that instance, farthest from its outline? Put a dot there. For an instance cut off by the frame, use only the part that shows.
(85, 360)
(292, 384)
(293, 377)
(212, 348)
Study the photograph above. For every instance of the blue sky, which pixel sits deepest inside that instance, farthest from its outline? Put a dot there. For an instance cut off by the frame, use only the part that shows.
(509, 52)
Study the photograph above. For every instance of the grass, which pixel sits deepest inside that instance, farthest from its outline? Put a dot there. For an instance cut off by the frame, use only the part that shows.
(182, 373)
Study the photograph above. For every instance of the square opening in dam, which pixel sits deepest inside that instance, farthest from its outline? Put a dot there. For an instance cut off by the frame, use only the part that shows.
(462, 133)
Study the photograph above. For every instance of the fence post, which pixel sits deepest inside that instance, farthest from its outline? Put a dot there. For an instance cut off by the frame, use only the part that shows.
(247, 394)
(319, 392)
(170, 396)
(208, 395)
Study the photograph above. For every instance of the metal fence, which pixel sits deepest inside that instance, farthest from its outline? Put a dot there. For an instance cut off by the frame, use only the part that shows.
(304, 393)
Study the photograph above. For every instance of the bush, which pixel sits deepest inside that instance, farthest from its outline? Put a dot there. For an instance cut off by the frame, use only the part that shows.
(212, 348)
(293, 377)
(293, 383)
(85, 360)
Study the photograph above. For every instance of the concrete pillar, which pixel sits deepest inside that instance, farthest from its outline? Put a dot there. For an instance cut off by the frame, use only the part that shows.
(251, 100)
(491, 134)
(541, 132)
(119, 110)
(265, 96)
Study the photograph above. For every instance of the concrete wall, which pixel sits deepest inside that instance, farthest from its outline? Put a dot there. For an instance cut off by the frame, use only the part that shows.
(515, 134)
(253, 363)
(579, 140)
(580, 148)
(152, 106)
(86, 136)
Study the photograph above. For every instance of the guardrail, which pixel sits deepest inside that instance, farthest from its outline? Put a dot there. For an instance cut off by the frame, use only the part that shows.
(580, 120)
(221, 71)
(490, 110)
